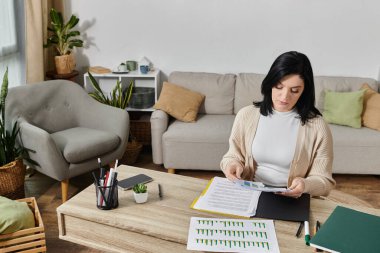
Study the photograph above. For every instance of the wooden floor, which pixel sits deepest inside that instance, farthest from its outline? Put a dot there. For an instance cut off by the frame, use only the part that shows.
(47, 193)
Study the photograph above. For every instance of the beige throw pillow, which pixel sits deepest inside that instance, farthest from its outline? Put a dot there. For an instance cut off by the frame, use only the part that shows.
(179, 102)
(371, 108)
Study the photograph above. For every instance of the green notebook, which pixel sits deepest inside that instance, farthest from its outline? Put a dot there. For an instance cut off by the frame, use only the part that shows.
(347, 231)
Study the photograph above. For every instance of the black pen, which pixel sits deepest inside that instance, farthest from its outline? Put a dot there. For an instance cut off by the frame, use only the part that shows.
(317, 227)
(299, 230)
(159, 191)
(102, 171)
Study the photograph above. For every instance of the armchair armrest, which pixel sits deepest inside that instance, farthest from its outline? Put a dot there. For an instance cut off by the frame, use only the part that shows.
(46, 153)
(159, 122)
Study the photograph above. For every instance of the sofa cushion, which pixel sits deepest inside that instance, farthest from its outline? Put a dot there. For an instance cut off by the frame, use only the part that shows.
(371, 108)
(79, 144)
(219, 89)
(199, 145)
(247, 90)
(344, 108)
(179, 102)
(338, 84)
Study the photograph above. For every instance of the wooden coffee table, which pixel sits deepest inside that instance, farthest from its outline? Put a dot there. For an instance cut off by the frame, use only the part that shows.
(160, 225)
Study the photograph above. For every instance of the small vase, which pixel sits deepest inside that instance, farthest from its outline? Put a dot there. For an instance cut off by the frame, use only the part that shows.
(140, 197)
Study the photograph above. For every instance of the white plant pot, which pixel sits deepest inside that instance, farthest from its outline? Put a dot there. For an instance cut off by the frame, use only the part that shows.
(140, 197)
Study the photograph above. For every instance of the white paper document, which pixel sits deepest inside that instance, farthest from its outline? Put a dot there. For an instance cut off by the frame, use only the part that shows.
(232, 235)
(258, 186)
(223, 196)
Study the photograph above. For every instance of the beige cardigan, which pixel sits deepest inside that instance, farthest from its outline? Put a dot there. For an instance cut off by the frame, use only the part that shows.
(312, 158)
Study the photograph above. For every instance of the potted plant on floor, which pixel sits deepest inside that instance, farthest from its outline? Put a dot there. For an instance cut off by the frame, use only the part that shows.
(140, 193)
(119, 99)
(12, 169)
(63, 38)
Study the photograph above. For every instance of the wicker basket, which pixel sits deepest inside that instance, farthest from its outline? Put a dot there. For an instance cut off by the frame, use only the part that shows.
(26, 240)
(131, 153)
(12, 178)
(140, 130)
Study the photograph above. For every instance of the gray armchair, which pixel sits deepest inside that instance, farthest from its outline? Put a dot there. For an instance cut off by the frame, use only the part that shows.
(67, 129)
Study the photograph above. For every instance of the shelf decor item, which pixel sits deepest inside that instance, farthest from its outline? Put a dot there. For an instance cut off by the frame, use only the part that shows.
(145, 65)
(131, 65)
(63, 38)
(140, 193)
(142, 97)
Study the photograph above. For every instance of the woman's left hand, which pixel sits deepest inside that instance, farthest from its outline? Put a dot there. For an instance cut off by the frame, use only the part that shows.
(296, 189)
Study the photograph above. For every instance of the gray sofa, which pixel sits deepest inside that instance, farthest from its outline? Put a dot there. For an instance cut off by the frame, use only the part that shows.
(201, 145)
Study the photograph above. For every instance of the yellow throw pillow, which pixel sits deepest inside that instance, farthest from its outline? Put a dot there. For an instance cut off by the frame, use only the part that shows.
(179, 102)
(371, 108)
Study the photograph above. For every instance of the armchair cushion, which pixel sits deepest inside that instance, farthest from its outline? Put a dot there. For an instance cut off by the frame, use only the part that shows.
(79, 144)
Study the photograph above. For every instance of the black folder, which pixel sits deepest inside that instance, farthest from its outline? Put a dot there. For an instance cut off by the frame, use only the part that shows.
(277, 207)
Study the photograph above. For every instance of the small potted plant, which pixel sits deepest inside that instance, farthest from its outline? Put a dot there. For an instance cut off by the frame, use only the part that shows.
(140, 193)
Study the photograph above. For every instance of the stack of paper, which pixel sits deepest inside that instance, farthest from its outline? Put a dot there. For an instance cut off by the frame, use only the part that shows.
(224, 197)
(232, 235)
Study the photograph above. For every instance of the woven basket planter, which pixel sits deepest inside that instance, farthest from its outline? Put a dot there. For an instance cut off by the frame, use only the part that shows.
(12, 179)
(141, 131)
(131, 153)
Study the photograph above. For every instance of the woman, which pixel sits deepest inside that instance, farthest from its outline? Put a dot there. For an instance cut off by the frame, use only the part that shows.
(283, 140)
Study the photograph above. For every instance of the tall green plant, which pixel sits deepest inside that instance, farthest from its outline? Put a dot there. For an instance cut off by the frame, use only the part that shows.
(62, 38)
(116, 98)
(9, 150)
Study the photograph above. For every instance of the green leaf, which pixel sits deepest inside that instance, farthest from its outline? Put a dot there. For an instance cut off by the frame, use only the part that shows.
(129, 91)
(3, 94)
(72, 22)
(96, 86)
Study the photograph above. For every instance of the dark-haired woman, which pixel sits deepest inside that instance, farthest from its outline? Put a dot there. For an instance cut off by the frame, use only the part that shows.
(283, 140)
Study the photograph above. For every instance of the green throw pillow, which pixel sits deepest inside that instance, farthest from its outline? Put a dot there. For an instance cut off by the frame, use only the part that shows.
(14, 216)
(344, 108)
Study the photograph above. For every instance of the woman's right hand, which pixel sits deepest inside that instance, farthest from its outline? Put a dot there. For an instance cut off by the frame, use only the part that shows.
(233, 171)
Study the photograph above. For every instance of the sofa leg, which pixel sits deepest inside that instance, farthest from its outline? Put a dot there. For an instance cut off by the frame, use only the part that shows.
(171, 171)
(65, 189)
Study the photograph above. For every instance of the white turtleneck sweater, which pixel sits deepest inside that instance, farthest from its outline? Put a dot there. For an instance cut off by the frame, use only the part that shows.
(274, 145)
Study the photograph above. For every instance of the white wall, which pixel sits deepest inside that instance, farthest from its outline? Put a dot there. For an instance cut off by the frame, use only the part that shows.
(341, 37)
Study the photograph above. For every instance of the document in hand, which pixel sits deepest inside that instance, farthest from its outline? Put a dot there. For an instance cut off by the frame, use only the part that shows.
(258, 186)
(224, 197)
(348, 231)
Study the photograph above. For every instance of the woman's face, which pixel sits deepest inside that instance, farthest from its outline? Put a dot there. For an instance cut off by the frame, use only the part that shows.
(286, 92)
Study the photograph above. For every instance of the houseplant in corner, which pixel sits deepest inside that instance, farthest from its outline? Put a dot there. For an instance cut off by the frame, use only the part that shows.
(12, 169)
(140, 193)
(63, 39)
(118, 99)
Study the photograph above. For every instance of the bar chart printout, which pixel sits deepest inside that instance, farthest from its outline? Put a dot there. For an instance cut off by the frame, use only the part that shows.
(232, 235)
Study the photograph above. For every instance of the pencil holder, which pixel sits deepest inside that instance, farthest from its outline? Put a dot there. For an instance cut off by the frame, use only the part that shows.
(107, 196)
